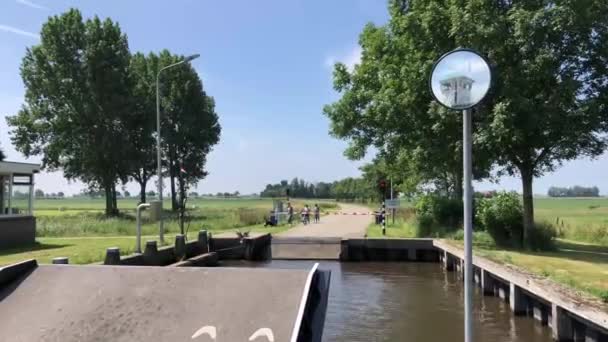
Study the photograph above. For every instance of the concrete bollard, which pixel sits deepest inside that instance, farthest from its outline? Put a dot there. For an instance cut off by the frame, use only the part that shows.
(61, 261)
(151, 253)
(517, 300)
(112, 256)
(180, 247)
(561, 324)
(203, 241)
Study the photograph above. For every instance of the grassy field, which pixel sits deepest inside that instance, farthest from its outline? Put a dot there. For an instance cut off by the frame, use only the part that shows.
(77, 228)
(578, 219)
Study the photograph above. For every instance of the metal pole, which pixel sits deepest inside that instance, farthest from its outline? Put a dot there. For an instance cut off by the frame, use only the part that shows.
(392, 209)
(31, 200)
(468, 226)
(158, 160)
(384, 218)
(161, 232)
(138, 242)
(10, 193)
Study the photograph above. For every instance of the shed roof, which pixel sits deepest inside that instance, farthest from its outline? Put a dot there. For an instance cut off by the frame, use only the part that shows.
(7, 167)
(456, 76)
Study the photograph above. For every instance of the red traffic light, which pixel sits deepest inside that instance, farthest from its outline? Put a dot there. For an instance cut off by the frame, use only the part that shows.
(382, 184)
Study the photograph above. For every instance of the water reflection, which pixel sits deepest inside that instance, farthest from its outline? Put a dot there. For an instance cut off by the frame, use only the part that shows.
(409, 302)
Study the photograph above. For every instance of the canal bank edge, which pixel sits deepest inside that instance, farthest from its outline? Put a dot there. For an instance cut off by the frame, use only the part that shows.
(571, 316)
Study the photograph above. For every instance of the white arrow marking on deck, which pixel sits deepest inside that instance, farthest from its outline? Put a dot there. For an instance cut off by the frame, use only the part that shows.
(263, 332)
(207, 329)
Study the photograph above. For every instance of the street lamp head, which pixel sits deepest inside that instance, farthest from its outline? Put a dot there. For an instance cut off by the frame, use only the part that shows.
(189, 58)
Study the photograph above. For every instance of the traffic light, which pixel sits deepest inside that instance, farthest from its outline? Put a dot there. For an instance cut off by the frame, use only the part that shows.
(382, 189)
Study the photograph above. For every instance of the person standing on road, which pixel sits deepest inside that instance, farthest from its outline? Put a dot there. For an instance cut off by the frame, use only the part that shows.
(289, 213)
(307, 214)
(303, 215)
(317, 213)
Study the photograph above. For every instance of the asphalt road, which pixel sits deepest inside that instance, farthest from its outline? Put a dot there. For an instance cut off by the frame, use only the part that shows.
(344, 224)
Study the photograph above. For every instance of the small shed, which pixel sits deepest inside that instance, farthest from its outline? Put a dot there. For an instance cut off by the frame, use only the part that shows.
(456, 88)
(17, 222)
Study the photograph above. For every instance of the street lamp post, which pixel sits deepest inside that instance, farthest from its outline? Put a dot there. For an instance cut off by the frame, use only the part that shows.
(158, 154)
(460, 80)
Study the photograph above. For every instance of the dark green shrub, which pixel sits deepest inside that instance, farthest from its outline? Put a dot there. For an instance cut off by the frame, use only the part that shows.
(542, 237)
(425, 225)
(442, 211)
(502, 217)
(449, 212)
(425, 220)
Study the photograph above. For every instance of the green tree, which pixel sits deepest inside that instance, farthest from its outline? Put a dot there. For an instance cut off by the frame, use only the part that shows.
(190, 126)
(77, 94)
(385, 103)
(141, 123)
(548, 103)
(39, 193)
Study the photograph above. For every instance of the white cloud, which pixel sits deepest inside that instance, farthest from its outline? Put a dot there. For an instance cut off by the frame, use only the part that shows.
(31, 4)
(350, 59)
(20, 32)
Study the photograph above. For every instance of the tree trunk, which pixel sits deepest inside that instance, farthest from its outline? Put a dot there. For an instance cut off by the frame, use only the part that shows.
(173, 192)
(114, 201)
(108, 191)
(527, 178)
(458, 186)
(142, 192)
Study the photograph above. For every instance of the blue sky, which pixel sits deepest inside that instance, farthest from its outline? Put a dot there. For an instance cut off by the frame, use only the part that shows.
(268, 65)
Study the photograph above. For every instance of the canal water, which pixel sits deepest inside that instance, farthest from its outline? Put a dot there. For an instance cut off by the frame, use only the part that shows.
(397, 302)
